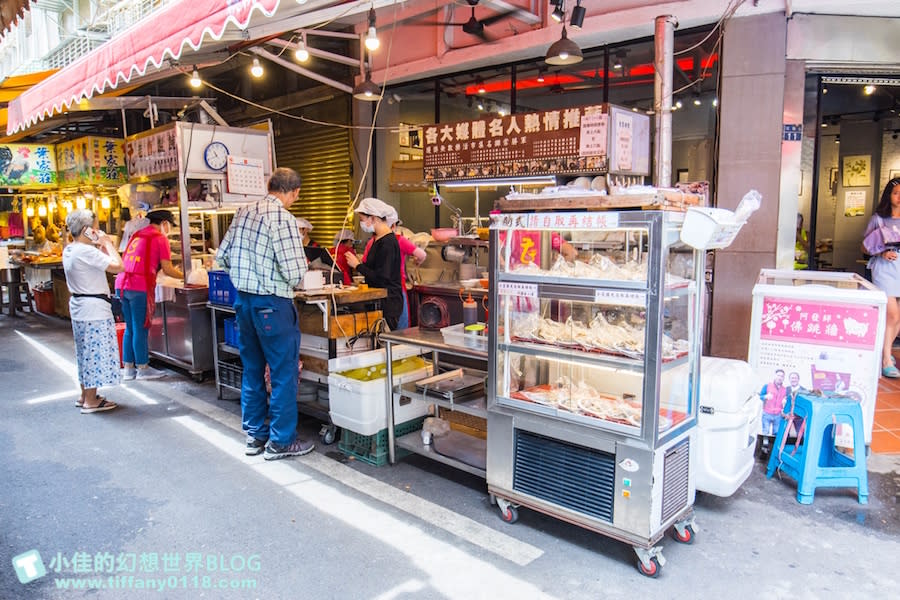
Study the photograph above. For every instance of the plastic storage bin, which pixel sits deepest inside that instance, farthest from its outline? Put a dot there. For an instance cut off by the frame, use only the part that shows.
(729, 418)
(373, 449)
(221, 290)
(232, 333)
(455, 335)
(43, 301)
(359, 406)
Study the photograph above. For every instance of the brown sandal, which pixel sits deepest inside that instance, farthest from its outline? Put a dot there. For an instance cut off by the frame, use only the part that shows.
(103, 406)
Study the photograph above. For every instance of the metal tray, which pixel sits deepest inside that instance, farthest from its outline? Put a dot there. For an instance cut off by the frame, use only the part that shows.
(452, 385)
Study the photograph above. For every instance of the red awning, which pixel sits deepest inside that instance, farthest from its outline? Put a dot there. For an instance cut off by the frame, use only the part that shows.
(161, 36)
(10, 12)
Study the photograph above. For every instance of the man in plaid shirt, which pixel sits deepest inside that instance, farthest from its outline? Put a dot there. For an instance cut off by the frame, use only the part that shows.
(263, 254)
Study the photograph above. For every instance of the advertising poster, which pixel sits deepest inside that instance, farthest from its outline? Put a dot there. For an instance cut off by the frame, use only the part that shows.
(91, 161)
(27, 165)
(807, 344)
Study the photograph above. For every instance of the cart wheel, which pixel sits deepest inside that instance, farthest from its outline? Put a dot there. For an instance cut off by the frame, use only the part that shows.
(687, 538)
(329, 435)
(510, 515)
(198, 377)
(653, 571)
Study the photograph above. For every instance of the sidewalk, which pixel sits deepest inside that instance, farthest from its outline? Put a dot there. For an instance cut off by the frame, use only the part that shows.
(166, 470)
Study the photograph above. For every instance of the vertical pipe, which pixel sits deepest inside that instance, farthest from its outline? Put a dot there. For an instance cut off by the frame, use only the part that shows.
(813, 260)
(437, 119)
(513, 96)
(606, 75)
(664, 48)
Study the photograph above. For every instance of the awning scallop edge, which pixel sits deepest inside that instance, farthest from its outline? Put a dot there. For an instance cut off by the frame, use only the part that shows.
(162, 35)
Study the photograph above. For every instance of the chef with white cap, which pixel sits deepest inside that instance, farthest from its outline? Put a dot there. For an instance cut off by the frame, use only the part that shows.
(343, 244)
(305, 227)
(382, 264)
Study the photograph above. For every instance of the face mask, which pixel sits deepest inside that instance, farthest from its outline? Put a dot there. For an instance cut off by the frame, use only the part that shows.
(367, 227)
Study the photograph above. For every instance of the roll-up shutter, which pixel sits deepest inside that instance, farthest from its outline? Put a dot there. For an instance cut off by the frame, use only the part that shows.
(321, 154)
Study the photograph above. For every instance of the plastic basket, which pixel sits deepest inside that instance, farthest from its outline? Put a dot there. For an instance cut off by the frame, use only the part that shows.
(373, 449)
(709, 228)
(221, 290)
(43, 301)
(232, 333)
(230, 374)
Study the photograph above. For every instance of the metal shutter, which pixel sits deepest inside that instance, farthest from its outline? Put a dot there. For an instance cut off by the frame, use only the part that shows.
(321, 154)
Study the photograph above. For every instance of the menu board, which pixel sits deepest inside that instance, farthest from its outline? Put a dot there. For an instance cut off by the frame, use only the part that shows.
(91, 160)
(534, 143)
(27, 165)
(155, 153)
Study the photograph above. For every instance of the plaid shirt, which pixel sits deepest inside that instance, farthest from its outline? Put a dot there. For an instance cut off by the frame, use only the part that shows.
(263, 250)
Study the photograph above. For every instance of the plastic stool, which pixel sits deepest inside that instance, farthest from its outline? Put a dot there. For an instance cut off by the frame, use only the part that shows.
(18, 296)
(813, 460)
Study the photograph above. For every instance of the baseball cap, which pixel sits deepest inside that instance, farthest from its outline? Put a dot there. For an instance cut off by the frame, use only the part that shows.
(158, 216)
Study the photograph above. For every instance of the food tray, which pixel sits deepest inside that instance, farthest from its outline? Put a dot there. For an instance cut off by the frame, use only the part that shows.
(452, 385)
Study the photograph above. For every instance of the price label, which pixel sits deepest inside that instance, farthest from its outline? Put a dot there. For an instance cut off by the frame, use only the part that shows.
(527, 290)
(620, 297)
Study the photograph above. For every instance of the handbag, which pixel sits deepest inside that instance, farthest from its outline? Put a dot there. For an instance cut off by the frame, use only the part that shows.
(881, 237)
(115, 303)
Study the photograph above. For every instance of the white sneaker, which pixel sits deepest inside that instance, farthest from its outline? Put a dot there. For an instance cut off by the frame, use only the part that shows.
(129, 372)
(148, 372)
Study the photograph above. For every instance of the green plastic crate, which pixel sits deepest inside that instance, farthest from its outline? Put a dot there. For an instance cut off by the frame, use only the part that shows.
(373, 449)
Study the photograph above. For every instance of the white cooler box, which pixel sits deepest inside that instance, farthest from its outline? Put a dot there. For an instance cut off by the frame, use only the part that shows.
(729, 418)
(359, 406)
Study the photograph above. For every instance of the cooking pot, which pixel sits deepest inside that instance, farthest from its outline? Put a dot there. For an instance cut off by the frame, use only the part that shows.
(433, 313)
(442, 234)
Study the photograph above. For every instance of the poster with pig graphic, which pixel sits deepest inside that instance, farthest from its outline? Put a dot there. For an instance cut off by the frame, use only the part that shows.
(827, 339)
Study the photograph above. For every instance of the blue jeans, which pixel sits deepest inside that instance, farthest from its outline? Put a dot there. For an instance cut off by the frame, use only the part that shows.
(403, 323)
(134, 342)
(270, 333)
(771, 423)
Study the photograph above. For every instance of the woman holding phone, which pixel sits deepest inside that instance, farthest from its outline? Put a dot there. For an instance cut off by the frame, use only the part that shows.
(86, 262)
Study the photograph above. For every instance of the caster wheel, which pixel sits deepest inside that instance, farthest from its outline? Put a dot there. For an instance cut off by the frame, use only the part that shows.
(510, 515)
(198, 377)
(329, 436)
(687, 538)
(653, 571)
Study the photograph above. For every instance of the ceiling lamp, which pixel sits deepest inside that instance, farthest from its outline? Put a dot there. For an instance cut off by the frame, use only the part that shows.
(29, 211)
(372, 42)
(577, 19)
(301, 53)
(195, 78)
(367, 90)
(559, 13)
(564, 51)
(256, 70)
(479, 86)
(540, 76)
(42, 210)
(869, 90)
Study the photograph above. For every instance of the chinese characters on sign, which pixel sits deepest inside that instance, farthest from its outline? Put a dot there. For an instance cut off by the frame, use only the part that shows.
(91, 160)
(27, 165)
(152, 154)
(520, 144)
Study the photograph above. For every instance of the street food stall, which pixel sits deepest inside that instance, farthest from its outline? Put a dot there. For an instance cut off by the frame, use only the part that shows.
(201, 173)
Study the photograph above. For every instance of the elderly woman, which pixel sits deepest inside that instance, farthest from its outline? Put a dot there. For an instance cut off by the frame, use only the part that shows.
(86, 261)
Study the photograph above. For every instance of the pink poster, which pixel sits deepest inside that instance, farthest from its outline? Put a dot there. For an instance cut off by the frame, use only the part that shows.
(844, 325)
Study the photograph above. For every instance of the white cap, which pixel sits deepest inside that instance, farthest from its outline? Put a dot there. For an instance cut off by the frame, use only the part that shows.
(343, 234)
(374, 207)
(301, 222)
(393, 218)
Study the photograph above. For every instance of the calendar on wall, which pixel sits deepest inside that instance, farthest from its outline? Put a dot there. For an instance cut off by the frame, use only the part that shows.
(246, 176)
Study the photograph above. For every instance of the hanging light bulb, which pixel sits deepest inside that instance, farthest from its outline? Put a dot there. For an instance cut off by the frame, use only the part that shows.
(104, 202)
(29, 211)
(479, 86)
(195, 78)
(42, 210)
(256, 70)
(372, 41)
(80, 202)
(540, 77)
(301, 53)
(869, 90)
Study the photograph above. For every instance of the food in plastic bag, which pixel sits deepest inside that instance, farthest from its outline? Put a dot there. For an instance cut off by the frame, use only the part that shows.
(749, 204)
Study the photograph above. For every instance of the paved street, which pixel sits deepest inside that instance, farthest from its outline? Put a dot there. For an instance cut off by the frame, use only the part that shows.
(158, 494)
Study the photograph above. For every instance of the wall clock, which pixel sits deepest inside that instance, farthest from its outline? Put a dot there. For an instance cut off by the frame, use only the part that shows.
(216, 156)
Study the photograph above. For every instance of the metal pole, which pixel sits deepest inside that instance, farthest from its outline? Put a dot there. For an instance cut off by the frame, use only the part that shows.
(664, 49)
(812, 259)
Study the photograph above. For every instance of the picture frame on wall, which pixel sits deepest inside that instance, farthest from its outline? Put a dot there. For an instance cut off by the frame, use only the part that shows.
(894, 174)
(405, 156)
(415, 138)
(403, 135)
(857, 170)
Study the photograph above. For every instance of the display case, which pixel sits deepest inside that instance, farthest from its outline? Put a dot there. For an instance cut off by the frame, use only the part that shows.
(591, 409)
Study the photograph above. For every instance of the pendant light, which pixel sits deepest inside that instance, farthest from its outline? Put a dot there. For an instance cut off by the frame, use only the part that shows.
(577, 19)
(301, 53)
(256, 70)
(564, 51)
(367, 90)
(372, 41)
(195, 78)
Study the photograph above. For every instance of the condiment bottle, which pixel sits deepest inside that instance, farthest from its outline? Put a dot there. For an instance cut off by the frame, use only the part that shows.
(470, 310)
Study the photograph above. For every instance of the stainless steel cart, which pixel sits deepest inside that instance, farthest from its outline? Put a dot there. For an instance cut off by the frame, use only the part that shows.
(592, 387)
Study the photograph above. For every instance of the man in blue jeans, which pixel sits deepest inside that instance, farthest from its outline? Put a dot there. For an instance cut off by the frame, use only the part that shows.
(263, 254)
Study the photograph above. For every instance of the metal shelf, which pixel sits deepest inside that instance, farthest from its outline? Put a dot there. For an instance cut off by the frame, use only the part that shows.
(223, 347)
(413, 443)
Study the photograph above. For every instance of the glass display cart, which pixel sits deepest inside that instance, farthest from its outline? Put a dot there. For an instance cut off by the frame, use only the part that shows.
(592, 406)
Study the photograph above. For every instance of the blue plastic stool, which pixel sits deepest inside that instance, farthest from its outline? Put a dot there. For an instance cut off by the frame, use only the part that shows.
(813, 461)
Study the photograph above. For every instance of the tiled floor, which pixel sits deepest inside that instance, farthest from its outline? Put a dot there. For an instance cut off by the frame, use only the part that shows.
(886, 431)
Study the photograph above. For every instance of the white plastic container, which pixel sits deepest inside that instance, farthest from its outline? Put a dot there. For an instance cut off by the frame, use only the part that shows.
(709, 228)
(729, 419)
(360, 407)
(456, 335)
